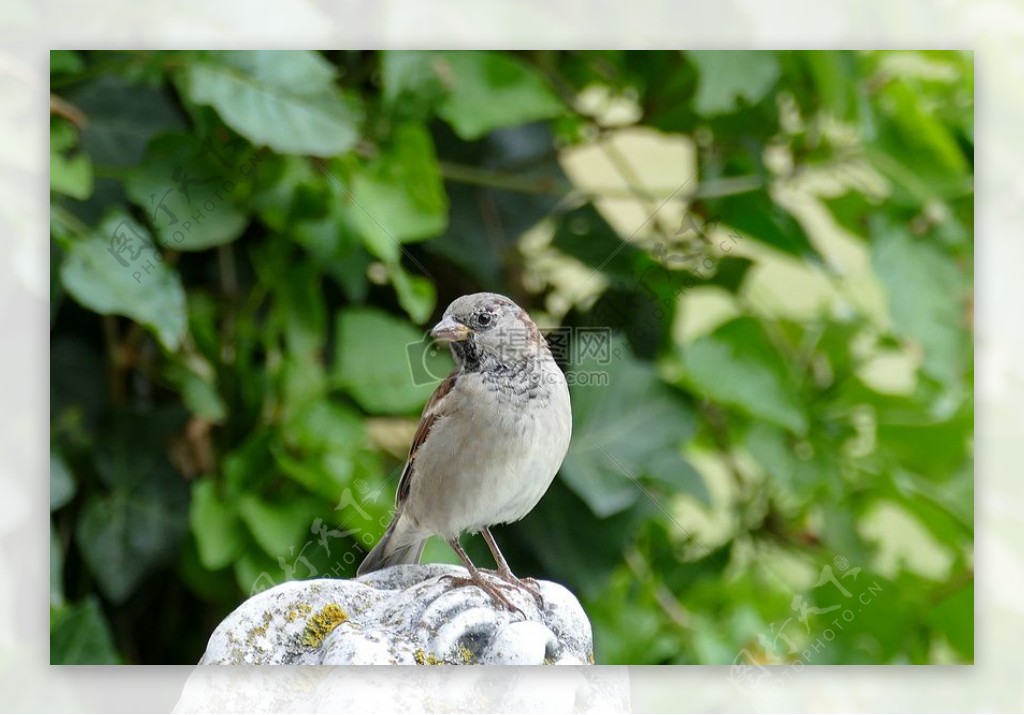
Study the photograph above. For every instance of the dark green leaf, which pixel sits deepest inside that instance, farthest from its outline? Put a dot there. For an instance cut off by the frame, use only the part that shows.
(757, 215)
(136, 527)
(627, 426)
(62, 482)
(185, 191)
(81, 636)
(56, 570)
(123, 117)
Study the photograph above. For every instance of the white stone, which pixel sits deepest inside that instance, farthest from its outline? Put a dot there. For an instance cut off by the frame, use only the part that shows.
(402, 615)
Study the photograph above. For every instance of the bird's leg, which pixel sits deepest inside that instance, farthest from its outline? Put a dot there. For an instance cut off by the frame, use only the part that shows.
(527, 584)
(477, 579)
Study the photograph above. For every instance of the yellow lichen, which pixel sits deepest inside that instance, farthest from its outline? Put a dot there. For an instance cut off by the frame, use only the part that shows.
(466, 654)
(424, 658)
(319, 626)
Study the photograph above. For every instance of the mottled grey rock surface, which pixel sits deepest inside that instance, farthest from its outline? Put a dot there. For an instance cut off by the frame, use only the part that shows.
(402, 615)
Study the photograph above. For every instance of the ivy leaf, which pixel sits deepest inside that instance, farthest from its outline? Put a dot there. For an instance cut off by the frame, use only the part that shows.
(759, 216)
(626, 425)
(220, 536)
(926, 296)
(373, 365)
(416, 294)
(738, 366)
(731, 78)
(81, 636)
(282, 99)
(277, 526)
(62, 483)
(488, 90)
(186, 191)
(118, 270)
(137, 526)
(399, 196)
(69, 175)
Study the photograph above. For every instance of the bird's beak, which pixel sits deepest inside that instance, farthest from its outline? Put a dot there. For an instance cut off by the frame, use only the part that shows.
(450, 331)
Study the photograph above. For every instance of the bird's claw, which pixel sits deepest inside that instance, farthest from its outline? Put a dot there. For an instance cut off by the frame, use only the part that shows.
(490, 588)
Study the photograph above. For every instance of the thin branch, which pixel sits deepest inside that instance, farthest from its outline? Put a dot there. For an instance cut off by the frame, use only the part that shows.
(666, 600)
(63, 108)
(463, 174)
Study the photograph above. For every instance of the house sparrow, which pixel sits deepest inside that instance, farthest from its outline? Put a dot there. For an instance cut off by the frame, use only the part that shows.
(489, 442)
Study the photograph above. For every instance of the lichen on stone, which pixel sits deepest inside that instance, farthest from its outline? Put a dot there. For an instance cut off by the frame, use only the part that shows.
(302, 609)
(424, 658)
(320, 625)
(409, 614)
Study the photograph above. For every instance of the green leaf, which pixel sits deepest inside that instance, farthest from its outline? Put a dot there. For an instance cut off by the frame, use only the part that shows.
(286, 100)
(325, 448)
(276, 526)
(410, 82)
(81, 636)
(772, 449)
(372, 364)
(399, 196)
(934, 448)
(62, 482)
(137, 526)
(927, 297)
(759, 216)
(69, 175)
(220, 536)
(738, 366)
(186, 193)
(194, 380)
(835, 79)
(731, 78)
(124, 536)
(338, 250)
(913, 146)
(123, 117)
(489, 90)
(416, 294)
(118, 270)
(953, 617)
(56, 569)
(65, 62)
(626, 426)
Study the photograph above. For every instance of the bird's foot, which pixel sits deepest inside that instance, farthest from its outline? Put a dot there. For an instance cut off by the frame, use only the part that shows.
(526, 584)
(489, 587)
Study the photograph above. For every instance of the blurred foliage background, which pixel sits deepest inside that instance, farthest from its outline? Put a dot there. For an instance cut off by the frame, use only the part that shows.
(772, 455)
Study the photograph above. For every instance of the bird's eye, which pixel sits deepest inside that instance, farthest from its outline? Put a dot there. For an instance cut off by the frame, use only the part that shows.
(484, 320)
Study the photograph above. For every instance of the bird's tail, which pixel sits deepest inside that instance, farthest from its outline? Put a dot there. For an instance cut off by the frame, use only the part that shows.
(402, 543)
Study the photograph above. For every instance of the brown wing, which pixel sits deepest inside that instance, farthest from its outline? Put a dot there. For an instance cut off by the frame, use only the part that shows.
(430, 415)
